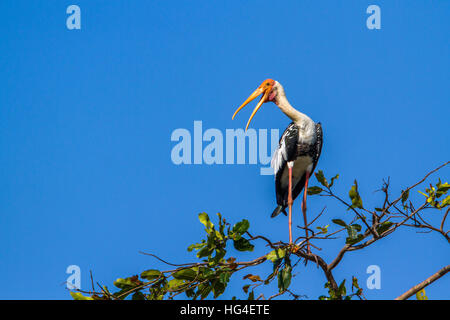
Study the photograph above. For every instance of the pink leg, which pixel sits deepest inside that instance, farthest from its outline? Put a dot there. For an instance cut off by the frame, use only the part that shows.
(290, 204)
(304, 207)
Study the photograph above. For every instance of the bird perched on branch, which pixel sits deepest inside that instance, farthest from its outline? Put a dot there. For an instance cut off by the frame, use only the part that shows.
(298, 151)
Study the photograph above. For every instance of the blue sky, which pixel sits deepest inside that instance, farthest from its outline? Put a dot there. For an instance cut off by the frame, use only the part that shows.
(86, 116)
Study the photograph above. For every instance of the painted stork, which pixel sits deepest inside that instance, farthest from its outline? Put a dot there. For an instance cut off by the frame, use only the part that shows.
(297, 154)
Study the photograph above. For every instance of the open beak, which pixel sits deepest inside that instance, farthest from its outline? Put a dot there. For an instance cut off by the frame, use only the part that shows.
(252, 97)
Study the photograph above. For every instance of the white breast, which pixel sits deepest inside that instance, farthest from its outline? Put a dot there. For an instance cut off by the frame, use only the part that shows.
(298, 170)
(306, 132)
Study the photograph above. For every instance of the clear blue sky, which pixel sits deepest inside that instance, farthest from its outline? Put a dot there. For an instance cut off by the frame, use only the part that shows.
(86, 117)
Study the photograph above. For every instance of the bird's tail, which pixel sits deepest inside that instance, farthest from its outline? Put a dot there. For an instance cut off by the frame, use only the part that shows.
(278, 210)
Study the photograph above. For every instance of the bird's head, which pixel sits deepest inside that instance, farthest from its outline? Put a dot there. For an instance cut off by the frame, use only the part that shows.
(269, 90)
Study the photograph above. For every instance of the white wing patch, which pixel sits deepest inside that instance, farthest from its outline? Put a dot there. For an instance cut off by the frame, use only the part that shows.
(278, 157)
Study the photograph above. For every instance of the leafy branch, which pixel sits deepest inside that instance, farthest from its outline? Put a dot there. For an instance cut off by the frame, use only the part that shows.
(210, 275)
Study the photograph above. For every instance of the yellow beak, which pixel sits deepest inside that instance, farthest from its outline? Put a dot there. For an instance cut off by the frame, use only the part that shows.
(252, 97)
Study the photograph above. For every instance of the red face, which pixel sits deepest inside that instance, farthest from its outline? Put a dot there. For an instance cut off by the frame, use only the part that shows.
(267, 86)
(268, 94)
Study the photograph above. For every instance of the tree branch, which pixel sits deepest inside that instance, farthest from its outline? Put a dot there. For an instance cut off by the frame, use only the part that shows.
(424, 283)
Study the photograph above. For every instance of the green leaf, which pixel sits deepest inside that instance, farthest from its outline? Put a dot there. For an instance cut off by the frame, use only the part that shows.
(207, 273)
(284, 278)
(405, 195)
(138, 296)
(175, 284)
(350, 240)
(276, 254)
(323, 229)
(127, 283)
(79, 296)
(225, 277)
(331, 292)
(204, 290)
(420, 295)
(442, 188)
(243, 245)
(122, 283)
(384, 226)
(218, 257)
(150, 274)
(185, 274)
(222, 224)
(204, 252)
(422, 193)
(321, 178)
(342, 291)
(339, 222)
(189, 293)
(314, 190)
(204, 218)
(219, 235)
(445, 202)
(332, 180)
(352, 233)
(218, 288)
(355, 283)
(196, 246)
(241, 227)
(355, 197)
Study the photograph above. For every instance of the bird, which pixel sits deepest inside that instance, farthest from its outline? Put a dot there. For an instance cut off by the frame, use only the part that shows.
(297, 154)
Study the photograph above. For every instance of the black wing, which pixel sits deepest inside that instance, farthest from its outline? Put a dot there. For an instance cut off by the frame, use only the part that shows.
(287, 151)
(318, 145)
(317, 150)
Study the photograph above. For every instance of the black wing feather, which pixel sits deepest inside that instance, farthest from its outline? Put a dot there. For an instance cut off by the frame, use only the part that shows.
(289, 136)
(317, 151)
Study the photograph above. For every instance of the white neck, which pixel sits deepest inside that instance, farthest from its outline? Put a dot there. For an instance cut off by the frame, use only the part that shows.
(282, 102)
